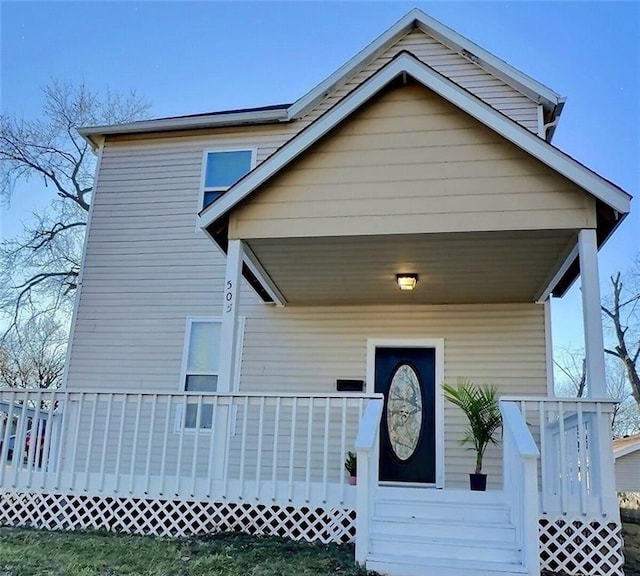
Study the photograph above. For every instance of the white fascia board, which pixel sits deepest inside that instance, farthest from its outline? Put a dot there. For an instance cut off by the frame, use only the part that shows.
(626, 450)
(525, 84)
(204, 121)
(561, 270)
(303, 105)
(519, 80)
(406, 63)
(252, 262)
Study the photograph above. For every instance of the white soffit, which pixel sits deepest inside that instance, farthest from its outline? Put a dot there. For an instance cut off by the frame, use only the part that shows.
(405, 63)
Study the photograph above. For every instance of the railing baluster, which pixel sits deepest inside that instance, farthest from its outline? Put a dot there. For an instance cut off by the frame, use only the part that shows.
(105, 442)
(34, 440)
(4, 455)
(544, 481)
(600, 456)
(292, 445)
(274, 462)
(152, 420)
(123, 412)
(343, 448)
(18, 445)
(58, 433)
(212, 436)
(259, 454)
(92, 426)
(183, 425)
(243, 444)
(563, 460)
(227, 442)
(45, 457)
(309, 432)
(194, 456)
(134, 447)
(76, 434)
(165, 441)
(582, 461)
(325, 463)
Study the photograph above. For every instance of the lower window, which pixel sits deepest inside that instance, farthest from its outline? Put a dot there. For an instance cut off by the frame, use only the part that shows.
(200, 368)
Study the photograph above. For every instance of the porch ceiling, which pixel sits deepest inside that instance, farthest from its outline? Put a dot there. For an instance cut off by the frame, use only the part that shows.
(455, 268)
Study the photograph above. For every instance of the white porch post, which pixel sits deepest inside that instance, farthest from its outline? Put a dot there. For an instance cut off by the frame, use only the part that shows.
(593, 341)
(603, 462)
(229, 335)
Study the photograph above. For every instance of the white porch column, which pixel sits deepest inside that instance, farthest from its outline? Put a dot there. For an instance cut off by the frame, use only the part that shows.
(592, 318)
(602, 465)
(229, 335)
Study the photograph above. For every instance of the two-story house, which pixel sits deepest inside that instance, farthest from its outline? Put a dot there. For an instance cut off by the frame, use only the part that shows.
(265, 290)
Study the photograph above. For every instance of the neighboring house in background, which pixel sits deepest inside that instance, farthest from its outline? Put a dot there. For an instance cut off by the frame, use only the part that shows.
(239, 326)
(626, 452)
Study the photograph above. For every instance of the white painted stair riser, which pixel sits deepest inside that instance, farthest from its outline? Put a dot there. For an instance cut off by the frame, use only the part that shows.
(501, 532)
(461, 513)
(419, 567)
(433, 548)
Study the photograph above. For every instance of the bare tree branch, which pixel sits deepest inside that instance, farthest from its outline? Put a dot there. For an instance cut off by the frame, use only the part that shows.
(38, 269)
(626, 331)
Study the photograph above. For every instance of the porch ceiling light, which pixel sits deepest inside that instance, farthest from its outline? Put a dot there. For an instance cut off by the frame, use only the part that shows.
(407, 281)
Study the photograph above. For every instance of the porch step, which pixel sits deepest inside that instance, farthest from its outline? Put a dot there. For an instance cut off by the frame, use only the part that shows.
(444, 548)
(441, 506)
(476, 530)
(417, 532)
(418, 566)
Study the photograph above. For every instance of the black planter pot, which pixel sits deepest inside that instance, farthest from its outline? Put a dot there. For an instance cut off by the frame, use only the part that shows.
(478, 482)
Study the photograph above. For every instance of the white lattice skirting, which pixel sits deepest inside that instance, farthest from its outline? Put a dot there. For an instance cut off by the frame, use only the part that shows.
(175, 517)
(581, 547)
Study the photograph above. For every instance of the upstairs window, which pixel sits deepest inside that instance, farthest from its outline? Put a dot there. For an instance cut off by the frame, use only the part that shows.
(222, 169)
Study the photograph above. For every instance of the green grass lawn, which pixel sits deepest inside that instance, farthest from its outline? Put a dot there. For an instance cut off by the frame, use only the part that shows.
(25, 552)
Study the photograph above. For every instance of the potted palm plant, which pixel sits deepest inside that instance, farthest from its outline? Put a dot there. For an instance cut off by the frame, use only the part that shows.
(480, 406)
(351, 466)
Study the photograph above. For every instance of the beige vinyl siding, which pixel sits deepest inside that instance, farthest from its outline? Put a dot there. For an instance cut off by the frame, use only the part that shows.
(454, 66)
(628, 472)
(307, 349)
(147, 267)
(411, 162)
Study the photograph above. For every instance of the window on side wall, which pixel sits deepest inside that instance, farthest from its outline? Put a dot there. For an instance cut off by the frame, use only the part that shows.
(222, 169)
(200, 368)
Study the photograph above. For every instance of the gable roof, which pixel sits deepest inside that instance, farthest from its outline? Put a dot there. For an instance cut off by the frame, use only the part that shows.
(537, 92)
(531, 88)
(626, 445)
(407, 64)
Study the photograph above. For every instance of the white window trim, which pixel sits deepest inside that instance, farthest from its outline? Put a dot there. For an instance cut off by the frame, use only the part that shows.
(185, 354)
(203, 172)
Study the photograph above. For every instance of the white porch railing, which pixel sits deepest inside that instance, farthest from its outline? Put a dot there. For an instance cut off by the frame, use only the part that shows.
(577, 475)
(270, 448)
(520, 456)
(367, 451)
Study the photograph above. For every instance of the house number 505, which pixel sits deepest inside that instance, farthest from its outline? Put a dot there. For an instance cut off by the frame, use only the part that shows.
(229, 297)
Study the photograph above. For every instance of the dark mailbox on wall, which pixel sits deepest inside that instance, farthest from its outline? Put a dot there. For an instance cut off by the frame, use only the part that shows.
(349, 385)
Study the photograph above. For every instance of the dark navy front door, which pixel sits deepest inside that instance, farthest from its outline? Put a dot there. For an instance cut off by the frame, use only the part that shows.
(406, 377)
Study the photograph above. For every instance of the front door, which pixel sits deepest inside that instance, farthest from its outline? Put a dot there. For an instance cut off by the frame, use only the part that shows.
(406, 377)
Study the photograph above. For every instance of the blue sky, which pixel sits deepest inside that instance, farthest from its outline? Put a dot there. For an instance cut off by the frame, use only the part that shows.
(191, 57)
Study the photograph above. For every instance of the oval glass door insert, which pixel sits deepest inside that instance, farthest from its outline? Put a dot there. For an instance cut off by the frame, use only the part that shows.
(404, 411)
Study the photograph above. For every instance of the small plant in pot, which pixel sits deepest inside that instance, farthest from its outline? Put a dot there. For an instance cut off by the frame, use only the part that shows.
(481, 407)
(351, 466)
